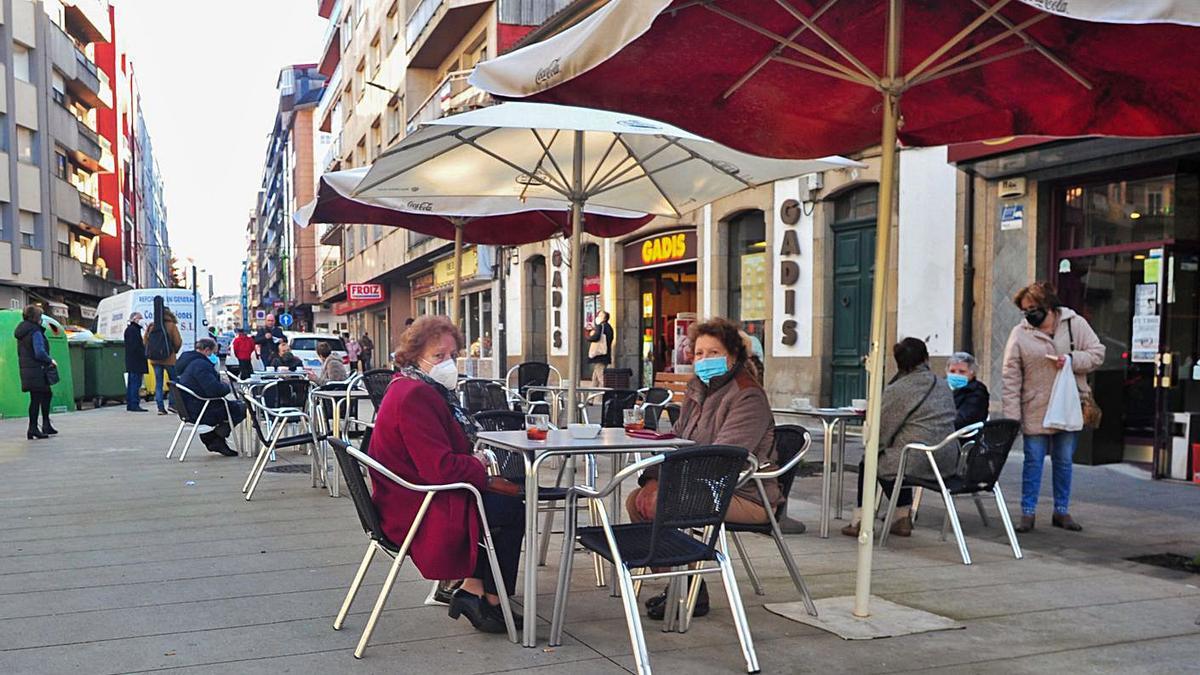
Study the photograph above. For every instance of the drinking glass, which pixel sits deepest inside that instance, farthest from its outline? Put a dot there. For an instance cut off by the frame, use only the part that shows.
(633, 419)
(536, 427)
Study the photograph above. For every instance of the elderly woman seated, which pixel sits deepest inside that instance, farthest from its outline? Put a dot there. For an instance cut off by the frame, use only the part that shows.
(917, 408)
(970, 395)
(424, 435)
(724, 405)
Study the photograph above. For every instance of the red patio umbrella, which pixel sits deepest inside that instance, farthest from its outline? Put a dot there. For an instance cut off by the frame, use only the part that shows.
(502, 221)
(806, 78)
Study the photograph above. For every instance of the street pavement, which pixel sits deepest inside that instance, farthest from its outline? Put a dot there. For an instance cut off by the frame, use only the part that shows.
(115, 560)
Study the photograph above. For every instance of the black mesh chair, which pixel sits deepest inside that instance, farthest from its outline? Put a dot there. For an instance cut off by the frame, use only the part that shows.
(792, 442)
(613, 403)
(482, 396)
(653, 401)
(178, 392)
(982, 454)
(695, 488)
(290, 392)
(376, 382)
(270, 439)
(351, 461)
(530, 374)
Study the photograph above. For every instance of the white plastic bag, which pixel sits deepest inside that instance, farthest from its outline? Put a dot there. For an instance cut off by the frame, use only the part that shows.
(1065, 412)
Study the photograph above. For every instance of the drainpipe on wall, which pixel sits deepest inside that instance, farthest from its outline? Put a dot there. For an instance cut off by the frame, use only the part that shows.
(968, 290)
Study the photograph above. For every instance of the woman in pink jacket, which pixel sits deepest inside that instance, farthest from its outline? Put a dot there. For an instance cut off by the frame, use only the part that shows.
(1037, 349)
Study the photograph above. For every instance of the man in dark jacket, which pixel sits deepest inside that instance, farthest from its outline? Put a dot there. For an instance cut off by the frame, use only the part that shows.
(268, 338)
(600, 350)
(135, 363)
(971, 396)
(197, 370)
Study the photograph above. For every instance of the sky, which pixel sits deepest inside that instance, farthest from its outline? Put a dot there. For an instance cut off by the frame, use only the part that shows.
(207, 72)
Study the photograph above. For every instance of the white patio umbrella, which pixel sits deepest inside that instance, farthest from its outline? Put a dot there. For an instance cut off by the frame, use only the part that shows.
(504, 221)
(577, 156)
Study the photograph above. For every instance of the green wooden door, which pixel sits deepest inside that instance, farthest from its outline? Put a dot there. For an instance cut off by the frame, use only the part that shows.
(853, 271)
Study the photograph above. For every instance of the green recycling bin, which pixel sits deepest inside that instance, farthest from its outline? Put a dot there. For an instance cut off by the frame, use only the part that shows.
(104, 364)
(80, 389)
(13, 401)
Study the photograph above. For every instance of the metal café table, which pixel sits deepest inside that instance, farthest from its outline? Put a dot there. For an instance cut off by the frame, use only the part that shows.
(559, 442)
(338, 398)
(260, 377)
(832, 420)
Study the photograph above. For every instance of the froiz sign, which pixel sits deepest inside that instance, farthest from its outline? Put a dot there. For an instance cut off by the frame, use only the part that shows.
(364, 292)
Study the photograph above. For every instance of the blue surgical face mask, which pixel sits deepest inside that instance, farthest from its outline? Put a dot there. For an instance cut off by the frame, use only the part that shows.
(957, 381)
(212, 358)
(707, 369)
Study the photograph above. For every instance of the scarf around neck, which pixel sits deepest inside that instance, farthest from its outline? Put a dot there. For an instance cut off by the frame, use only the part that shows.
(468, 424)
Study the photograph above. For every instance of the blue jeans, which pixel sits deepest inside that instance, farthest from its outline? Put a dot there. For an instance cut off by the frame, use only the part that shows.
(133, 387)
(159, 369)
(1061, 447)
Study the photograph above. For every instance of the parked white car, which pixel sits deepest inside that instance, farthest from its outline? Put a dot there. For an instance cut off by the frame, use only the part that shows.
(304, 346)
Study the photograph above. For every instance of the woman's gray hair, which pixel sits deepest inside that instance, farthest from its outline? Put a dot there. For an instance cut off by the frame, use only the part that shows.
(204, 344)
(964, 358)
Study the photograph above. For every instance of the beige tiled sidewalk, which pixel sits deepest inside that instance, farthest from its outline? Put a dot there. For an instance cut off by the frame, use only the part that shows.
(115, 560)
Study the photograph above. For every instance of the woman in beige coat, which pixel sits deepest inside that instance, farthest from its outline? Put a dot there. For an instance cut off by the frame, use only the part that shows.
(724, 405)
(1037, 349)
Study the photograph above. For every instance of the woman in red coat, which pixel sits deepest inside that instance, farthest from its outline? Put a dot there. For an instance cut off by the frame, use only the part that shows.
(424, 435)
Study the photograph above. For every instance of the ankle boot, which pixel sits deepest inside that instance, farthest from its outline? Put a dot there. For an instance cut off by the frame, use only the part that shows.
(1026, 524)
(33, 433)
(47, 429)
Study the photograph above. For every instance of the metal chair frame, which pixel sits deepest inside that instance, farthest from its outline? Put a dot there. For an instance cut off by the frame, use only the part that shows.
(196, 423)
(323, 426)
(968, 432)
(398, 556)
(277, 419)
(626, 577)
(769, 472)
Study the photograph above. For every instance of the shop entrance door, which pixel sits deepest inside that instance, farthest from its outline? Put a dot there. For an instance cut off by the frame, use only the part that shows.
(1177, 366)
(853, 272)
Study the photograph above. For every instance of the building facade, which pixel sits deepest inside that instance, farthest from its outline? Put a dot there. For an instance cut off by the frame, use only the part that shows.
(64, 241)
(286, 254)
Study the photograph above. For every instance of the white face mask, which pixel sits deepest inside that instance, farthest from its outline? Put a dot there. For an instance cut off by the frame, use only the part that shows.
(445, 373)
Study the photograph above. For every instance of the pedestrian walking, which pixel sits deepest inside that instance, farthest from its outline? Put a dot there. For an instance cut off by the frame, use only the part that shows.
(366, 349)
(243, 351)
(268, 338)
(352, 350)
(135, 363)
(600, 336)
(1037, 349)
(163, 342)
(38, 370)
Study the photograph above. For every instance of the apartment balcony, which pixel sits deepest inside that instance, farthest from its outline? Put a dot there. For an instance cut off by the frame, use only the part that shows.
(87, 147)
(87, 20)
(333, 89)
(80, 74)
(453, 95)
(331, 234)
(331, 53)
(107, 161)
(435, 27)
(91, 218)
(333, 154)
(333, 283)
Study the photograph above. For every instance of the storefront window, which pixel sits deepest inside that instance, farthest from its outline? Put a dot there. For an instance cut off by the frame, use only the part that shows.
(1126, 211)
(748, 271)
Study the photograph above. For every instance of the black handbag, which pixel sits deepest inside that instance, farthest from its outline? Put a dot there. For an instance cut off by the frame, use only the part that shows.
(51, 372)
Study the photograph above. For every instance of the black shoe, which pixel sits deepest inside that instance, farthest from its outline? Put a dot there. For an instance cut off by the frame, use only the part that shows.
(34, 433)
(498, 614)
(139, 409)
(223, 449)
(658, 611)
(657, 600)
(445, 591)
(476, 610)
(163, 412)
(47, 429)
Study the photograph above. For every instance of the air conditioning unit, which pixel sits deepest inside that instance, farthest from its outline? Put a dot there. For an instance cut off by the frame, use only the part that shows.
(312, 288)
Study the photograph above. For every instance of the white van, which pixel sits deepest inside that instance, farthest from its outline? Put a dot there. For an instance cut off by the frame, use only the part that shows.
(112, 314)
(304, 346)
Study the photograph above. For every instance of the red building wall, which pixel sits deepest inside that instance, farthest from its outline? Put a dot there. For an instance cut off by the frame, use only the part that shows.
(112, 247)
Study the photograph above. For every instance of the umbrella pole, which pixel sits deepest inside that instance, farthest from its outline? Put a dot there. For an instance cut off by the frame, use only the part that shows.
(575, 291)
(458, 244)
(875, 360)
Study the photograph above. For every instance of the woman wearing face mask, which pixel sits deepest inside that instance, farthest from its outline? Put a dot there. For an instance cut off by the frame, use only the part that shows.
(970, 395)
(1037, 349)
(724, 405)
(424, 435)
(917, 408)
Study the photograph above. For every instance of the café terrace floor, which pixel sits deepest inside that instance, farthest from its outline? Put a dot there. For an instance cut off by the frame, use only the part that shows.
(115, 560)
